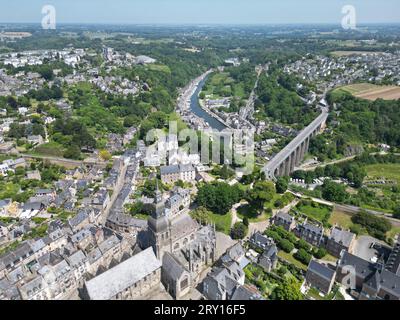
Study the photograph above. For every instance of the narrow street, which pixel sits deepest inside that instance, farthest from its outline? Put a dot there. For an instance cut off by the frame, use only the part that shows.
(116, 191)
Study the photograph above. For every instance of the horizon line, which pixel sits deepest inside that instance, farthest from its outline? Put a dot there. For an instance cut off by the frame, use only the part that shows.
(202, 23)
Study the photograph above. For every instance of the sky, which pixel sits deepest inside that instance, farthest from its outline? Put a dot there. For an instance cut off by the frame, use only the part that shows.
(200, 11)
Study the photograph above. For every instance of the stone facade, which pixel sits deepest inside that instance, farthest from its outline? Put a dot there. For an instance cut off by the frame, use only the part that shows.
(189, 246)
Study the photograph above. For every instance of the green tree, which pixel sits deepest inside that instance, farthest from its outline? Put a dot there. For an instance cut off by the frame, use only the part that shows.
(287, 290)
(46, 72)
(286, 245)
(201, 215)
(375, 226)
(262, 192)
(72, 152)
(219, 197)
(320, 253)
(303, 256)
(396, 212)
(302, 244)
(335, 192)
(282, 185)
(105, 155)
(239, 231)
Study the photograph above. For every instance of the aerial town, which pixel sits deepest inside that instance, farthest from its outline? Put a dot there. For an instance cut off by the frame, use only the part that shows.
(122, 177)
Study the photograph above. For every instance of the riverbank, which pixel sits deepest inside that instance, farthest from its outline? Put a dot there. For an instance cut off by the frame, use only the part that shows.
(192, 112)
(211, 113)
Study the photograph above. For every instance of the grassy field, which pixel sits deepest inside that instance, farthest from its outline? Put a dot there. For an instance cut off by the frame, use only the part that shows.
(289, 258)
(221, 78)
(392, 233)
(344, 220)
(319, 212)
(52, 149)
(340, 218)
(371, 92)
(222, 222)
(159, 67)
(390, 171)
(218, 86)
(349, 53)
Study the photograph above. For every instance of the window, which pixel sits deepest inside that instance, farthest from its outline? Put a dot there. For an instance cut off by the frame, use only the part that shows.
(185, 283)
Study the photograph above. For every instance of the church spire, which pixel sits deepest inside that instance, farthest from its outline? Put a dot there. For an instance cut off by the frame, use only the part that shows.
(159, 206)
(158, 194)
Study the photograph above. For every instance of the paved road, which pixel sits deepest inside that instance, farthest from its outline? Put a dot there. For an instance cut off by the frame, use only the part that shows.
(235, 217)
(248, 110)
(322, 165)
(114, 196)
(63, 160)
(350, 209)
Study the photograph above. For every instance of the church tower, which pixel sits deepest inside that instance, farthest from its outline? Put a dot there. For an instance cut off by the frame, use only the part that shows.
(158, 225)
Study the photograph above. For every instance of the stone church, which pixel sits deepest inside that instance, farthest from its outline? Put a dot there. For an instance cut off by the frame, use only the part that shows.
(183, 246)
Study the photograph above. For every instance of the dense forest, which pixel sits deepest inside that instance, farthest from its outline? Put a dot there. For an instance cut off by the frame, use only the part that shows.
(366, 121)
(277, 99)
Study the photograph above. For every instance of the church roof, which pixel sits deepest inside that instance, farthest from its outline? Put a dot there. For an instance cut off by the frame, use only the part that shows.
(172, 266)
(182, 225)
(124, 275)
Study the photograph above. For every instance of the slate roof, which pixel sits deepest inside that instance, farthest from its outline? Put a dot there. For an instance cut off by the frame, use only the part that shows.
(172, 266)
(236, 252)
(79, 236)
(312, 228)
(260, 240)
(270, 251)
(341, 236)
(77, 258)
(44, 191)
(78, 219)
(24, 250)
(34, 285)
(16, 275)
(169, 169)
(175, 199)
(173, 169)
(363, 268)
(393, 263)
(186, 168)
(9, 292)
(125, 220)
(321, 270)
(284, 216)
(5, 202)
(32, 206)
(124, 275)
(94, 255)
(244, 293)
(37, 245)
(108, 244)
(385, 280)
(390, 282)
(181, 225)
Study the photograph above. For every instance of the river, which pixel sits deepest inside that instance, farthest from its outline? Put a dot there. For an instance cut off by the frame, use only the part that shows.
(197, 110)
